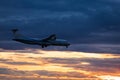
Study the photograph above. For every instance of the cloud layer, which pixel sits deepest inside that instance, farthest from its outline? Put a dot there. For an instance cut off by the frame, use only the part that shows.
(22, 65)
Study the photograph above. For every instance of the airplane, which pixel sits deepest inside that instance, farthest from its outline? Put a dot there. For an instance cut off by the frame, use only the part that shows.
(49, 41)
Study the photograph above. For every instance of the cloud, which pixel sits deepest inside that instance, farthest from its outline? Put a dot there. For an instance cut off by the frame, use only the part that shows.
(44, 75)
(61, 74)
(54, 65)
(92, 65)
(41, 74)
(19, 63)
(14, 72)
(96, 48)
(80, 22)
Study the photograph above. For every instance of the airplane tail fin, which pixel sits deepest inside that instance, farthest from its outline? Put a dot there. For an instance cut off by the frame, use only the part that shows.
(14, 31)
(17, 35)
(51, 37)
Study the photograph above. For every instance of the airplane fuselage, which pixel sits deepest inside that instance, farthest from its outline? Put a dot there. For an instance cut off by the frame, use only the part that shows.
(50, 40)
(57, 42)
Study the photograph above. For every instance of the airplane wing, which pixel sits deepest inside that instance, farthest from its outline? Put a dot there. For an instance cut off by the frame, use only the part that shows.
(51, 37)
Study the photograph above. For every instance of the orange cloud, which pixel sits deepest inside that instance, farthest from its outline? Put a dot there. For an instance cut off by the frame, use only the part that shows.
(46, 64)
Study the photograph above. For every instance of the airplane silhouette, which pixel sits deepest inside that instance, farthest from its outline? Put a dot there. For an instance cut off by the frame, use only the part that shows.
(49, 41)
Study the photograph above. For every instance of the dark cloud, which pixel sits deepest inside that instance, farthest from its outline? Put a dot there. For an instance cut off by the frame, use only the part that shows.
(81, 22)
(4, 60)
(97, 48)
(14, 72)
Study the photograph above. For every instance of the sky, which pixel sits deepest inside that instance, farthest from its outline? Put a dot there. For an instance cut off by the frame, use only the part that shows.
(91, 26)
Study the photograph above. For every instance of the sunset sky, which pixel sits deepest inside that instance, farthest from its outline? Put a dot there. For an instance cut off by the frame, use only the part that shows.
(91, 26)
